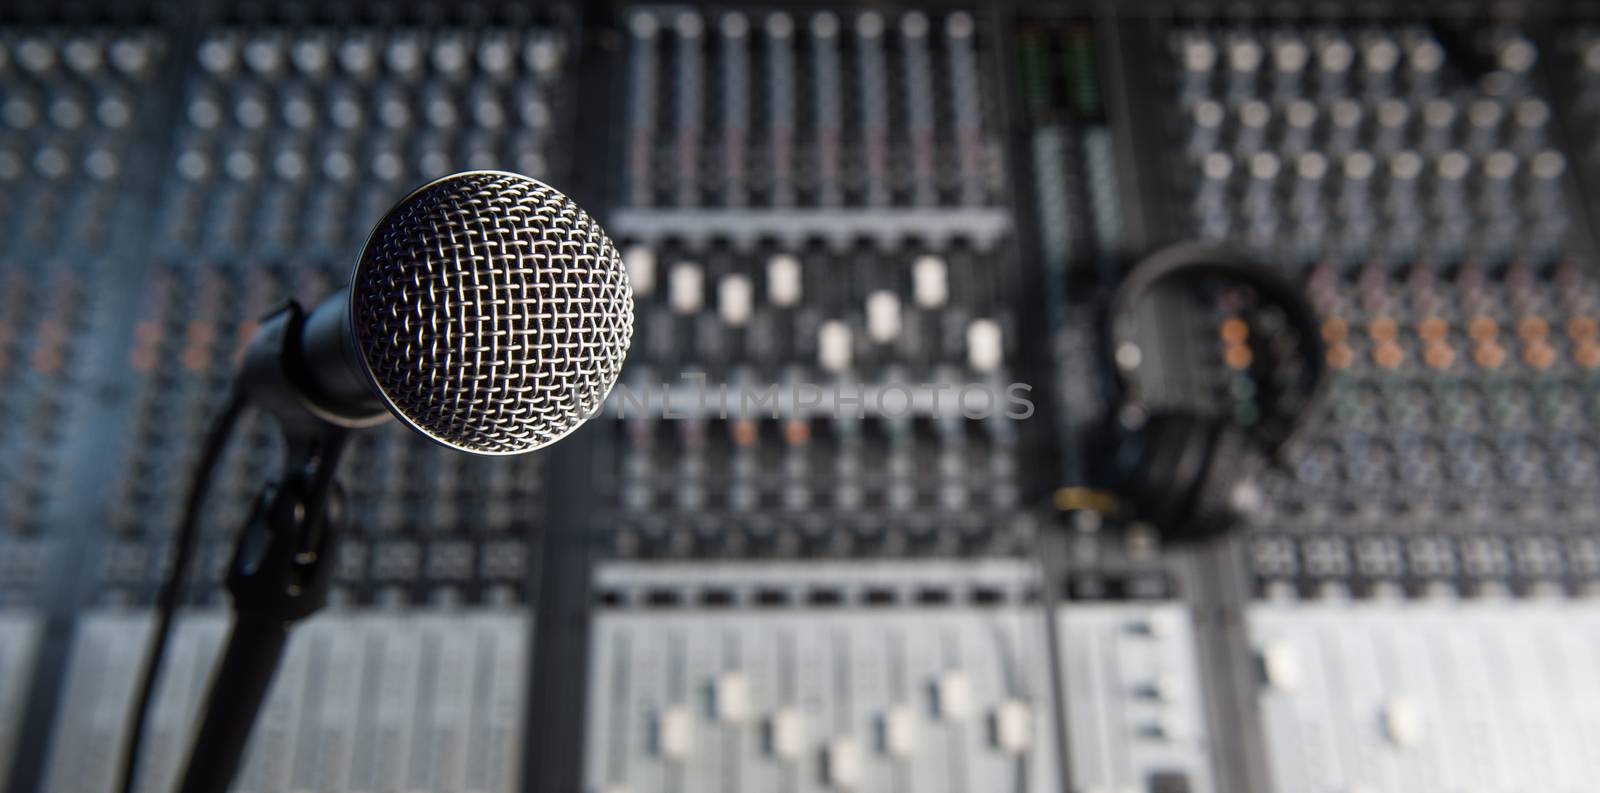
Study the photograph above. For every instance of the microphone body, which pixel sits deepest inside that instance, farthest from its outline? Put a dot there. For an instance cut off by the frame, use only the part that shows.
(336, 375)
(487, 312)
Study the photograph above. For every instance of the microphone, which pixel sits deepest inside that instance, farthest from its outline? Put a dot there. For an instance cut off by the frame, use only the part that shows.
(488, 312)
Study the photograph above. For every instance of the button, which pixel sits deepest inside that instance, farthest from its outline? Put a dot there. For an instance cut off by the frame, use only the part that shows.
(1199, 56)
(953, 695)
(833, 346)
(1162, 688)
(641, 263)
(1167, 727)
(1402, 721)
(1280, 660)
(844, 763)
(686, 288)
(929, 284)
(675, 733)
(788, 734)
(985, 351)
(900, 732)
(883, 316)
(783, 280)
(730, 698)
(734, 300)
(1013, 726)
(1169, 782)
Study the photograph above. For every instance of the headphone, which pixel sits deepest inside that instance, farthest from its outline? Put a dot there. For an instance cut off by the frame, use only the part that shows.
(1191, 475)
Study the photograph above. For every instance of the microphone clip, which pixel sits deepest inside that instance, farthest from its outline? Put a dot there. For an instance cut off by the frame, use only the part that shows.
(284, 557)
(282, 564)
(275, 375)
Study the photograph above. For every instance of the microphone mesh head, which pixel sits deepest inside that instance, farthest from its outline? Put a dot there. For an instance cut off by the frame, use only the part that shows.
(493, 314)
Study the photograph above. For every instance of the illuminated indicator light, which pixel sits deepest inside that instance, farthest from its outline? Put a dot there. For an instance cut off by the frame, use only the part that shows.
(796, 432)
(1388, 355)
(1530, 328)
(1581, 328)
(1433, 329)
(1237, 356)
(1234, 330)
(201, 332)
(1489, 355)
(1539, 355)
(1067, 499)
(1340, 356)
(1587, 355)
(1482, 328)
(745, 432)
(195, 359)
(1439, 356)
(1334, 330)
(46, 360)
(1382, 329)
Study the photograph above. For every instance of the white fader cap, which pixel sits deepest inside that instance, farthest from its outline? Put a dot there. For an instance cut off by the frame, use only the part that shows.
(675, 733)
(789, 737)
(883, 316)
(783, 280)
(929, 283)
(686, 288)
(734, 299)
(833, 346)
(985, 349)
(641, 263)
(900, 732)
(730, 697)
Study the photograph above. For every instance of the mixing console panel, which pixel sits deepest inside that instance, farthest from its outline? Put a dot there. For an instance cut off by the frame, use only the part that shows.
(1413, 175)
(941, 697)
(292, 141)
(751, 470)
(1366, 696)
(421, 700)
(836, 528)
(925, 676)
(786, 124)
(75, 101)
(754, 143)
(19, 640)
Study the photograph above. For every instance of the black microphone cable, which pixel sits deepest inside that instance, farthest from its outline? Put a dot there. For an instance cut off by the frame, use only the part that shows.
(167, 599)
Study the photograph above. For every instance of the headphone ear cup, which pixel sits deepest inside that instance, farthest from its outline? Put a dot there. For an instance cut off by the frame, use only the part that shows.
(1161, 467)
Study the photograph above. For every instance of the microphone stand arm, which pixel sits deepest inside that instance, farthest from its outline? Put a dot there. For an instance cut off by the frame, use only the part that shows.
(283, 561)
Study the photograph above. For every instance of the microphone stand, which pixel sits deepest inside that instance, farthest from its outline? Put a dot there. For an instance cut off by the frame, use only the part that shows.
(283, 560)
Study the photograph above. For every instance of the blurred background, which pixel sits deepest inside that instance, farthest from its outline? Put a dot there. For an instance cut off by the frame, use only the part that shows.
(828, 193)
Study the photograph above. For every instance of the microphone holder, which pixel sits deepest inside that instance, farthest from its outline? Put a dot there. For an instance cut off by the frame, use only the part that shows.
(283, 560)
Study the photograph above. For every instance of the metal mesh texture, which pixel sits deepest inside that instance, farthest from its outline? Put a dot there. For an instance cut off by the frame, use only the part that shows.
(493, 313)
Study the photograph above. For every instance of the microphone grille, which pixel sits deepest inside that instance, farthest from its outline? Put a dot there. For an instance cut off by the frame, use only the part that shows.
(493, 314)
